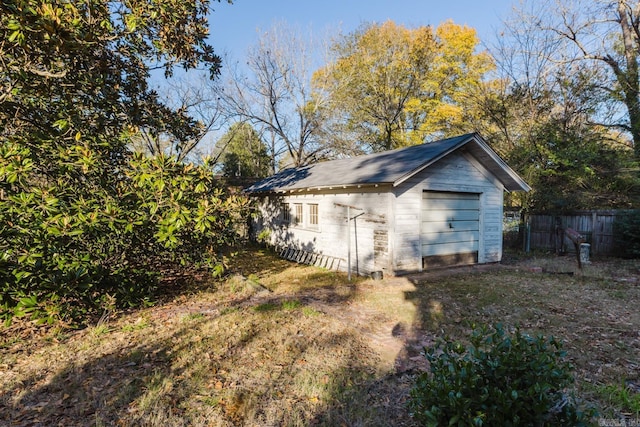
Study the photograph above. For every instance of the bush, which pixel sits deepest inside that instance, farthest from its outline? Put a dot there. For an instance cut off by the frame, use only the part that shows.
(86, 233)
(500, 379)
(626, 231)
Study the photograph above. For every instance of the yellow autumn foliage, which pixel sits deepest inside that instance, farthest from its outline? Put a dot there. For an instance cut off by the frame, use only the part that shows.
(392, 86)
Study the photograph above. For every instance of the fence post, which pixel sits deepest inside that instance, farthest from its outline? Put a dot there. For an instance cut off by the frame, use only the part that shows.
(558, 237)
(527, 234)
(594, 231)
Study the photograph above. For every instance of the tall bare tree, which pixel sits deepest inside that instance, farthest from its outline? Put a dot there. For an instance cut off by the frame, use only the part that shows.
(273, 92)
(605, 33)
(197, 99)
(544, 111)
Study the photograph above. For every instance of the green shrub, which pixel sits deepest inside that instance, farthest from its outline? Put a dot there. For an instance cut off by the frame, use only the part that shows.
(76, 235)
(626, 231)
(501, 379)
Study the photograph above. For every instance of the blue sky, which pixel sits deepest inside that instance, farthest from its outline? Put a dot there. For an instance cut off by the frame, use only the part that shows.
(233, 26)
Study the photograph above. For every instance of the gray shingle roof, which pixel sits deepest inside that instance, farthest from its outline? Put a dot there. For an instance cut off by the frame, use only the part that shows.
(387, 167)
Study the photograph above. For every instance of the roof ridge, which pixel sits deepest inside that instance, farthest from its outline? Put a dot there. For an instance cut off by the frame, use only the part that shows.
(385, 167)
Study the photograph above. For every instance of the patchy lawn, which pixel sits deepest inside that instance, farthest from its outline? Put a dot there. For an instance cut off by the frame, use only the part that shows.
(282, 344)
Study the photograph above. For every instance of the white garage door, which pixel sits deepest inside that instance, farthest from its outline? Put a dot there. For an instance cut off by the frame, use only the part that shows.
(450, 229)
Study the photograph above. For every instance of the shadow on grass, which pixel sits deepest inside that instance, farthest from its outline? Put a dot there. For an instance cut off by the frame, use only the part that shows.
(274, 358)
(261, 358)
(98, 391)
(268, 360)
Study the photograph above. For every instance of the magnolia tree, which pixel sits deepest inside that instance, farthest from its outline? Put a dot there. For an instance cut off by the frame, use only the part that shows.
(82, 221)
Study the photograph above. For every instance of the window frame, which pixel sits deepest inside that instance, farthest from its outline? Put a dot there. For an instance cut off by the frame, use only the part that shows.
(314, 217)
(285, 213)
(298, 215)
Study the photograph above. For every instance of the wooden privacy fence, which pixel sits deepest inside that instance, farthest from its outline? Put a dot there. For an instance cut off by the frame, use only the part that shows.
(595, 226)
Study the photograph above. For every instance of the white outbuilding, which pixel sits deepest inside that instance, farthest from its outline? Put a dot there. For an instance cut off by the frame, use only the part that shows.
(397, 211)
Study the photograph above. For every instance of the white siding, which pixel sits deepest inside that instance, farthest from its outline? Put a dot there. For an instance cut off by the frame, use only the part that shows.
(457, 172)
(370, 247)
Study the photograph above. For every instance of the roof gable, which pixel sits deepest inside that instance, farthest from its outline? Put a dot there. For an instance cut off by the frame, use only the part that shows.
(387, 167)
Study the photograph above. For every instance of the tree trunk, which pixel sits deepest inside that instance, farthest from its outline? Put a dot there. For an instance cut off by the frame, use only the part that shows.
(629, 79)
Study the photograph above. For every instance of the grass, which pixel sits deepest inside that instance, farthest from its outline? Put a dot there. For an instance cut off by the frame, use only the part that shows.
(621, 396)
(283, 344)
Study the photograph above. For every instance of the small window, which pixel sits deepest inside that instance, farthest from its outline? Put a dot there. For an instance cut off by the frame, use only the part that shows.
(313, 216)
(297, 218)
(286, 214)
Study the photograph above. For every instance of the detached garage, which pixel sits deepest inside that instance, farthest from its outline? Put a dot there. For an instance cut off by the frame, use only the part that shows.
(396, 211)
